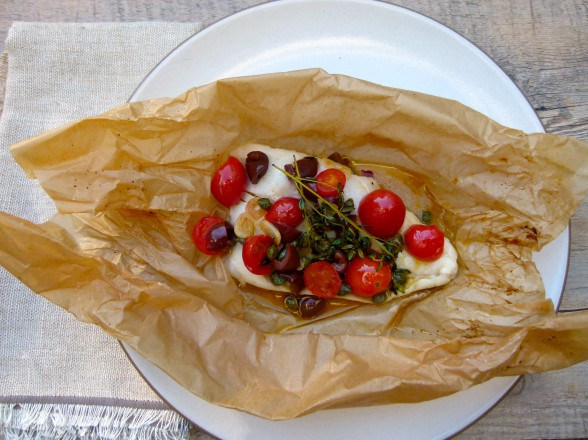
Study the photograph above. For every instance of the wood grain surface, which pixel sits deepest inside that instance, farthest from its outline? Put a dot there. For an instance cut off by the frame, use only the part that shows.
(543, 46)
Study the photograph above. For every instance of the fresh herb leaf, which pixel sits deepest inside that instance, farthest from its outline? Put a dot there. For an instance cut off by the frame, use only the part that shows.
(331, 227)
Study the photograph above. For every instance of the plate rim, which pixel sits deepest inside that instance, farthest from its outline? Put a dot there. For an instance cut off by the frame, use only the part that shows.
(404, 9)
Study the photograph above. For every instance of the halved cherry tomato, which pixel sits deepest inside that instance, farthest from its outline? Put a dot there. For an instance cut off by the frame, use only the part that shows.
(285, 211)
(322, 279)
(229, 182)
(367, 277)
(212, 235)
(255, 254)
(328, 181)
(424, 242)
(382, 213)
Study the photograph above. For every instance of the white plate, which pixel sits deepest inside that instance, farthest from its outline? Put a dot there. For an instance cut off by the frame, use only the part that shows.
(391, 46)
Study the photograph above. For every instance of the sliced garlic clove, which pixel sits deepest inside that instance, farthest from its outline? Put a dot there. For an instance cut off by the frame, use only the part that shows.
(244, 226)
(269, 229)
(254, 210)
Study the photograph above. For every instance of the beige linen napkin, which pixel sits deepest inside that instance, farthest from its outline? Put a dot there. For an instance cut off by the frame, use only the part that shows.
(60, 378)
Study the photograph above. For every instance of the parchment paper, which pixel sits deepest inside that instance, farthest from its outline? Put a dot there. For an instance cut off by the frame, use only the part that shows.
(130, 184)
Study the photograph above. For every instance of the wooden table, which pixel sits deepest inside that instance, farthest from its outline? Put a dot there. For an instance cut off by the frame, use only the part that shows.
(543, 46)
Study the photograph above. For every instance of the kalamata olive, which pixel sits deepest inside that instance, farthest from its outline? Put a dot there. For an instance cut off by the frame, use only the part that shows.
(310, 195)
(220, 236)
(296, 280)
(289, 168)
(307, 166)
(367, 173)
(256, 165)
(310, 306)
(344, 160)
(290, 261)
(341, 262)
(287, 233)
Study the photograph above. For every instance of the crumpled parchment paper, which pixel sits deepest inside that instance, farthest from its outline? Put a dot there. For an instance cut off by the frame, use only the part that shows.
(130, 184)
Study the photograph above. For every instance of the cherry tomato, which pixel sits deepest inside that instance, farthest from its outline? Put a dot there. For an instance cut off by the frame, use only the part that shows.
(210, 235)
(229, 181)
(254, 254)
(382, 213)
(424, 242)
(367, 277)
(286, 212)
(322, 279)
(328, 180)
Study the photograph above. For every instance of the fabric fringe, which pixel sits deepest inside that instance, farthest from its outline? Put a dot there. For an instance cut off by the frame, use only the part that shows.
(54, 421)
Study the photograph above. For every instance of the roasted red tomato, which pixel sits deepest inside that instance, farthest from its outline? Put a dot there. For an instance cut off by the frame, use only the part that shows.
(255, 254)
(229, 182)
(367, 277)
(286, 212)
(212, 235)
(328, 181)
(322, 279)
(382, 213)
(424, 242)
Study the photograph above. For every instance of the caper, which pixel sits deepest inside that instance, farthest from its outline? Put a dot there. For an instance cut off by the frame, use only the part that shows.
(272, 252)
(321, 245)
(264, 203)
(345, 290)
(400, 276)
(305, 260)
(426, 217)
(277, 278)
(291, 303)
(380, 298)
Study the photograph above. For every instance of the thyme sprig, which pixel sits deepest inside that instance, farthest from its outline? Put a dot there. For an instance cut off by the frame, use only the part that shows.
(389, 249)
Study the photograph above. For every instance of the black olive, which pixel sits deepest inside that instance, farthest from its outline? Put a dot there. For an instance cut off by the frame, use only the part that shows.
(290, 261)
(220, 237)
(311, 306)
(341, 262)
(287, 233)
(256, 165)
(310, 195)
(307, 166)
(296, 280)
